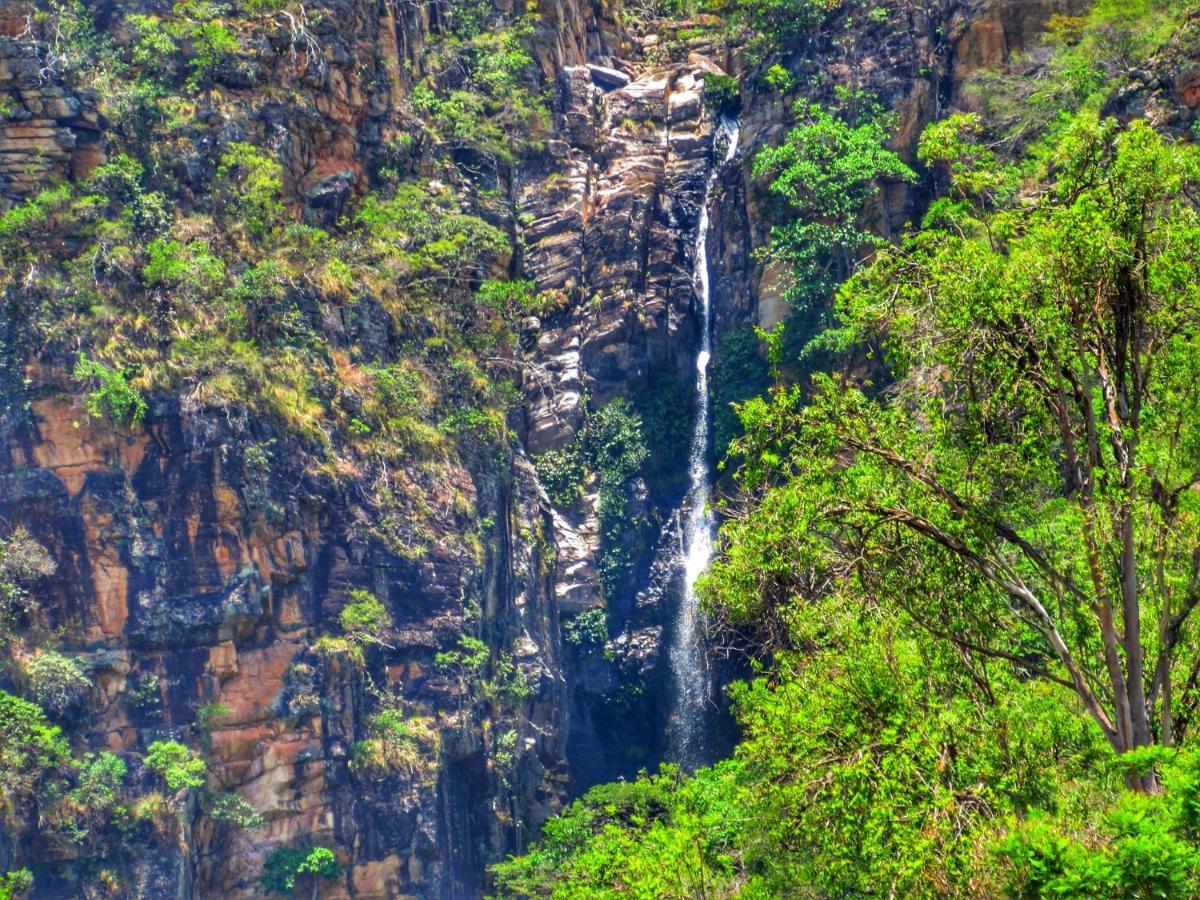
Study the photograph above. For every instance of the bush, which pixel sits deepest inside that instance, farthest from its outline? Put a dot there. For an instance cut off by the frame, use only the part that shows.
(396, 742)
(562, 473)
(237, 811)
(99, 780)
(179, 768)
(22, 562)
(588, 630)
(739, 372)
(285, 866)
(616, 449)
(114, 397)
(15, 884)
(58, 682)
(30, 750)
(721, 91)
(364, 617)
(251, 184)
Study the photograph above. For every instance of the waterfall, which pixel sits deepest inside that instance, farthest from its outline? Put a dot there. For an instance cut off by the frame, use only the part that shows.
(692, 697)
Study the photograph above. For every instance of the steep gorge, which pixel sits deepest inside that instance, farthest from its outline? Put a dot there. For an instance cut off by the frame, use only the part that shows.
(200, 554)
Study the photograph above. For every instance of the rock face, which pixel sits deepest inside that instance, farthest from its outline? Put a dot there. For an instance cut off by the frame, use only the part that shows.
(46, 128)
(199, 557)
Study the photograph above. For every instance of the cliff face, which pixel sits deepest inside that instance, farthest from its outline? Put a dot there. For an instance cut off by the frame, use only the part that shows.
(199, 555)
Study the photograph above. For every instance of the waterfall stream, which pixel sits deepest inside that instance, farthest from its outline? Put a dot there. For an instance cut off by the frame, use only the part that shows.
(692, 698)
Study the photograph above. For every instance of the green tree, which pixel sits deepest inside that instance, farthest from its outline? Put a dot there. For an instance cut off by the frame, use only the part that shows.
(286, 868)
(1026, 488)
(825, 170)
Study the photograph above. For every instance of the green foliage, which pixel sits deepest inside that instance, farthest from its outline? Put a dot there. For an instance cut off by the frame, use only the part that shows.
(362, 620)
(1084, 61)
(616, 450)
(144, 696)
(23, 561)
(739, 372)
(15, 883)
(396, 741)
(428, 235)
(826, 170)
(562, 473)
(659, 836)
(58, 682)
(612, 447)
(468, 658)
(587, 630)
(668, 402)
(113, 396)
(513, 299)
(251, 186)
(32, 751)
(27, 217)
(171, 262)
(494, 678)
(721, 91)
(479, 94)
(285, 867)
(177, 765)
(235, 810)
(778, 23)
(98, 782)
(364, 617)
(868, 767)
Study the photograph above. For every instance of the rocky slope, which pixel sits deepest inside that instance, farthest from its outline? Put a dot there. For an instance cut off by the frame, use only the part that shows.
(200, 555)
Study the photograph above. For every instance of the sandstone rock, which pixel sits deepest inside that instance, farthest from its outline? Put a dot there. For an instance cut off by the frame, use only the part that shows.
(607, 78)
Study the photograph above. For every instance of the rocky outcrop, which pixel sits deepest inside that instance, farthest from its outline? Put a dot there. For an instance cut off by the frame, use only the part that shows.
(47, 130)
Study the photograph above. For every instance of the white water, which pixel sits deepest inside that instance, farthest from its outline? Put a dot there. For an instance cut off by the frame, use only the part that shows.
(689, 662)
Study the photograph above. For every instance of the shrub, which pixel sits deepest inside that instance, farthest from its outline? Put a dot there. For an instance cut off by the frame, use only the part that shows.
(170, 262)
(59, 682)
(30, 750)
(285, 866)
(396, 742)
(15, 884)
(616, 449)
(99, 781)
(721, 91)
(589, 629)
(114, 397)
(739, 372)
(252, 188)
(20, 220)
(22, 562)
(562, 473)
(237, 811)
(364, 617)
(179, 768)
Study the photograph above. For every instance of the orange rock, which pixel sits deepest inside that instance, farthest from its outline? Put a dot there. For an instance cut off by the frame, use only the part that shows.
(259, 679)
(222, 660)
